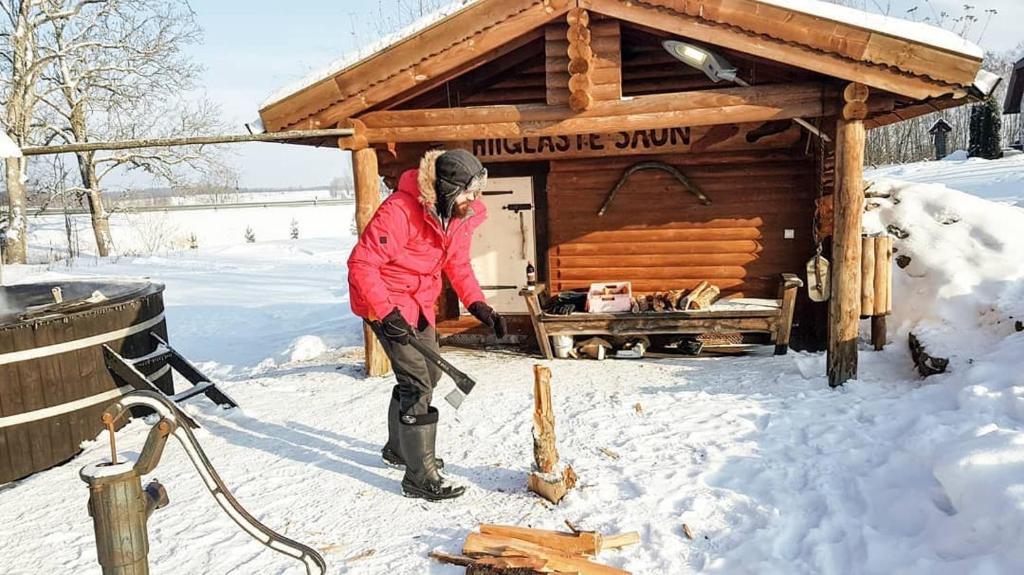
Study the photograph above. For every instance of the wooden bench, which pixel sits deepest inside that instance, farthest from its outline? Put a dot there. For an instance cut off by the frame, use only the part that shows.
(733, 315)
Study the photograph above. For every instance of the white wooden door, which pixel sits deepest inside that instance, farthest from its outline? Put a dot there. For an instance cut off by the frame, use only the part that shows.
(504, 244)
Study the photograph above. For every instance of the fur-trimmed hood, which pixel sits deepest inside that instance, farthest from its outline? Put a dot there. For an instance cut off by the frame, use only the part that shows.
(426, 178)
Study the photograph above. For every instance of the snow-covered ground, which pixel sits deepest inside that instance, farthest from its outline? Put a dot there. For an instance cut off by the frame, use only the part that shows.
(997, 180)
(772, 471)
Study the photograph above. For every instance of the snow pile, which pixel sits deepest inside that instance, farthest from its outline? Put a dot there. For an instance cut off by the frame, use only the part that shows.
(306, 348)
(8, 149)
(965, 273)
(962, 294)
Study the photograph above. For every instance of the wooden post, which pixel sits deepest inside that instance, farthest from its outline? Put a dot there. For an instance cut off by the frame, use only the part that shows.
(867, 274)
(549, 479)
(844, 307)
(878, 332)
(367, 183)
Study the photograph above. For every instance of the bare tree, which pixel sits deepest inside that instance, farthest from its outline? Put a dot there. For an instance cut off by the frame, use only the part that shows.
(122, 82)
(24, 27)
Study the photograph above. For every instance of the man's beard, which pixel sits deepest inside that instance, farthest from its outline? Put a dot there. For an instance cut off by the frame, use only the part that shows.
(460, 210)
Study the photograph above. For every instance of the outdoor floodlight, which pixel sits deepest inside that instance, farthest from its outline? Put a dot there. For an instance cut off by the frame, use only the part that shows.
(713, 65)
(717, 69)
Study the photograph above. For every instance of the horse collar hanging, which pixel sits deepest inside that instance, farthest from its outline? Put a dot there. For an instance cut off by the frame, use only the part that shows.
(642, 166)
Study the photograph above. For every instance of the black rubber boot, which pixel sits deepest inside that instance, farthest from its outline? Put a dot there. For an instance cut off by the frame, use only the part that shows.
(391, 454)
(422, 480)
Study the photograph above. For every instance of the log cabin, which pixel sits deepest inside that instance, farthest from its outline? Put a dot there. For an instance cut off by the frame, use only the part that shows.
(565, 100)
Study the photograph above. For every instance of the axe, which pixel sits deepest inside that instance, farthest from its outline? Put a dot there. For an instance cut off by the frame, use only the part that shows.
(463, 383)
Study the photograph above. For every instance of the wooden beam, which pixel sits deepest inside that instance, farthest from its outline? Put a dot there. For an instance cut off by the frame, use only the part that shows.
(908, 112)
(462, 38)
(704, 108)
(285, 137)
(367, 184)
(849, 41)
(670, 16)
(844, 305)
(696, 141)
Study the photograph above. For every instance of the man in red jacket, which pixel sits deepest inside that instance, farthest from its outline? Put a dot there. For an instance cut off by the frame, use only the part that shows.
(423, 229)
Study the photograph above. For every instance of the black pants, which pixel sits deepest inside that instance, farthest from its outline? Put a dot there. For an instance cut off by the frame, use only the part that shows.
(416, 376)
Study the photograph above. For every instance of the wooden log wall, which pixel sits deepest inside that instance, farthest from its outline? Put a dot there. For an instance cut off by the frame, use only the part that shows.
(648, 69)
(605, 77)
(657, 235)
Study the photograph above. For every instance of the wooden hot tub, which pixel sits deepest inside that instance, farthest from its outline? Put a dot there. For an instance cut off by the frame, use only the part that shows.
(53, 382)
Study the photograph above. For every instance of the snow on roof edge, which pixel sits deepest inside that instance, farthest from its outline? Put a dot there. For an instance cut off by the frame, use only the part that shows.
(355, 57)
(919, 32)
(913, 31)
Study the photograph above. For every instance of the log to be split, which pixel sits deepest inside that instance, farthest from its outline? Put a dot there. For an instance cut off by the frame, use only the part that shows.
(549, 479)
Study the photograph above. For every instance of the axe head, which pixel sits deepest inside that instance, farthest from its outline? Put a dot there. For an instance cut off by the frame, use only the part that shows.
(455, 398)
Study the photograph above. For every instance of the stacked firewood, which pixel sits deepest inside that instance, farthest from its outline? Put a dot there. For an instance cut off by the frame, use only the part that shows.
(700, 297)
(505, 550)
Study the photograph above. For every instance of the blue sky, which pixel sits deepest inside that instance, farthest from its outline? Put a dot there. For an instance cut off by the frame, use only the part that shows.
(253, 47)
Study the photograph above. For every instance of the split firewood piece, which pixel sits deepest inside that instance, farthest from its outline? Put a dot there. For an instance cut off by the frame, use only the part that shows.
(494, 565)
(621, 540)
(675, 297)
(587, 543)
(705, 297)
(685, 304)
(579, 542)
(510, 566)
(450, 559)
(480, 544)
(550, 479)
(659, 301)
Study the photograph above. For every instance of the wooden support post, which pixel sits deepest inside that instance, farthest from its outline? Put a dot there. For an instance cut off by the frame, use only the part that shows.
(867, 274)
(844, 307)
(367, 184)
(787, 293)
(878, 332)
(883, 275)
(549, 479)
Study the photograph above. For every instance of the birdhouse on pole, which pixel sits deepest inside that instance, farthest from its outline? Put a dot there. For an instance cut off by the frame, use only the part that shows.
(940, 135)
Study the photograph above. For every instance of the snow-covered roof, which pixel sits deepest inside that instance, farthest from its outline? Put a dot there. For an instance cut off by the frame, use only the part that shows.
(364, 52)
(918, 32)
(8, 149)
(940, 124)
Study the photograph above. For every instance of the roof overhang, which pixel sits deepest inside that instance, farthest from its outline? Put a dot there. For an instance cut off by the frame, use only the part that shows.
(809, 34)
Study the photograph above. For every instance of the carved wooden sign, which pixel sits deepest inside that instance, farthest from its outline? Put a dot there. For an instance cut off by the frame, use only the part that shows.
(729, 137)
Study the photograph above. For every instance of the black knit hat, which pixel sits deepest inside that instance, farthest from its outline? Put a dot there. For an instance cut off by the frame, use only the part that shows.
(455, 170)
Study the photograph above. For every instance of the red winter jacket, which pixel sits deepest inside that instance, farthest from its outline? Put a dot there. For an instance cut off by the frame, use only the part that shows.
(398, 260)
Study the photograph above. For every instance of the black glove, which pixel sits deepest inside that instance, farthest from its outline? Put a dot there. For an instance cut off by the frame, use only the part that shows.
(490, 318)
(395, 328)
